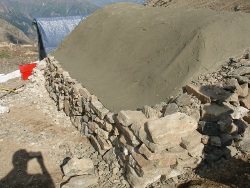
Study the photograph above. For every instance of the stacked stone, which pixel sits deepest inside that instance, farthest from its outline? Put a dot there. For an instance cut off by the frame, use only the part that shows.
(87, 114)
(225, 109)
(85, 110)
(155, 146)
(162, 140)
(146, 144)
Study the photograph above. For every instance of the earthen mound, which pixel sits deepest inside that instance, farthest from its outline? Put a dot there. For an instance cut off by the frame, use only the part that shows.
(130, 55)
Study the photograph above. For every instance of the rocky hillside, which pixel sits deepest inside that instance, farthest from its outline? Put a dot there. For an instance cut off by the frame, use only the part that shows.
(11, 34)
(21, 13)
(105, 2)
(218, 5)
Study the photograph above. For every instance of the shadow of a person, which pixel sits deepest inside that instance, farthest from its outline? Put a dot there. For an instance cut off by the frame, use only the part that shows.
(18, 176)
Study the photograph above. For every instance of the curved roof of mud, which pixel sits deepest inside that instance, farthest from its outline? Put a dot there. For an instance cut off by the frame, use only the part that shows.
(130, 55)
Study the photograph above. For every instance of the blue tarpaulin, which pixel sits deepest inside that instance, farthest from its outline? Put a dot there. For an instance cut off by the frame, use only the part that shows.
(52, 30)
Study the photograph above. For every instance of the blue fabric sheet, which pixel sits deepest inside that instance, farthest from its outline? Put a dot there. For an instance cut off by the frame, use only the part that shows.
(52, 30)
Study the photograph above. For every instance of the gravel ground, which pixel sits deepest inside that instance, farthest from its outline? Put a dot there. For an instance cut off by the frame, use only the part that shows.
(34, 124)
(12, 55)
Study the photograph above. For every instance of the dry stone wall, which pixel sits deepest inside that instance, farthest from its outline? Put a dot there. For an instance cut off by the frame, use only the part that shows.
(147, 143)
(207, 121)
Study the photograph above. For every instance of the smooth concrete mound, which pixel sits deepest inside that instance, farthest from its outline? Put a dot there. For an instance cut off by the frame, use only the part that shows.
(130, 55)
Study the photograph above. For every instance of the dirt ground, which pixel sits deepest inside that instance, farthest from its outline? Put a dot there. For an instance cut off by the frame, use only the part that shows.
(34, 136)
(33, 128)
(13, 55)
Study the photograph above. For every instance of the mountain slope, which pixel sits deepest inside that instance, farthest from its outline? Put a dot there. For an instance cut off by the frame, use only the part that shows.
(21, 13)
(218, 5)
(105, 2)
(9, 33)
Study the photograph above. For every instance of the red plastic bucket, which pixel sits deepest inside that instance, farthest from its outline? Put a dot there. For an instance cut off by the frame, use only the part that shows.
(26, 70)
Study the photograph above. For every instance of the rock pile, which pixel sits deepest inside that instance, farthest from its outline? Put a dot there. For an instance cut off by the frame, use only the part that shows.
(80, 173)
(157, 146)
(222, 111)
(155, 3)
(222, 5)
(224, 95)
(84, 167)
(205, 122)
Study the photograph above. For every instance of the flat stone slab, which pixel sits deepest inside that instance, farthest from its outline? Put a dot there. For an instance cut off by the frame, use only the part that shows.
(128, 117)
(214, 112)
(77, 166)
(171, 128)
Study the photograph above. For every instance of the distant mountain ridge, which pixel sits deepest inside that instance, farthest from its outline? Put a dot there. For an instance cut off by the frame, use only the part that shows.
(20, 13)
(9, 33)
